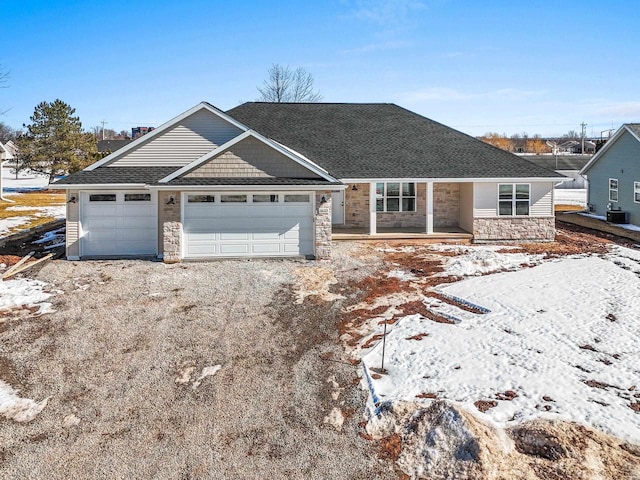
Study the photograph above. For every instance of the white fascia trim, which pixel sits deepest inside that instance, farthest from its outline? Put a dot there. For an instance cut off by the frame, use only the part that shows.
(229, 188)
(606, 147)
(249, 133)
(207, 156)
(453, 180)
(101, 186)
(162, 128)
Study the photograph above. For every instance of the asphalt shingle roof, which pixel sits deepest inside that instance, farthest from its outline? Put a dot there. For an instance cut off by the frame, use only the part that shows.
(380, 141)
(146, 175)
(635, 128)
(563, 162)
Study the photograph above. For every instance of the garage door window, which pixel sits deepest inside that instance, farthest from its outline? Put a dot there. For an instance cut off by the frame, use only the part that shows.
(296, 198)
(102, 197)
(233, 198)
(201, 199)
(137, 197)
(265, 198)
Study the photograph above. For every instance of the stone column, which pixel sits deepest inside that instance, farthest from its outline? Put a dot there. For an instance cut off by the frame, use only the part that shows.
(171, 224)
(373, 227)
(322, 222)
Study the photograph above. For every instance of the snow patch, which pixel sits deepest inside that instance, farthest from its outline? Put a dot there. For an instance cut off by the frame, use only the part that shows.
(401, 275)
(206, 372)
(482, 260)
(24, 292)
(18, 409)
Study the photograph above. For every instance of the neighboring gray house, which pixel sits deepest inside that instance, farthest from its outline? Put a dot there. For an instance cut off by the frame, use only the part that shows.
(614, 175)
(278, 179)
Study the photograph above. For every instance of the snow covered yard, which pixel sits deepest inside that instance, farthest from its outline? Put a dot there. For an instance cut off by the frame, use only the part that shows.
(570, 196)
(560, 340)
(506, 338)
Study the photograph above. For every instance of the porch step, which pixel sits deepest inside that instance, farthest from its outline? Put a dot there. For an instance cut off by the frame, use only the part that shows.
(435, 237)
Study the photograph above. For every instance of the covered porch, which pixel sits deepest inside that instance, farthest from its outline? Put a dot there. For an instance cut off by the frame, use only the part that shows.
(401, 209)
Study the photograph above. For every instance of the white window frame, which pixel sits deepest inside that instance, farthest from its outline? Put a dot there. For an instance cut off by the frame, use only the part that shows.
(514, 200)
(400, 197)
(611, 190)
(636, 192)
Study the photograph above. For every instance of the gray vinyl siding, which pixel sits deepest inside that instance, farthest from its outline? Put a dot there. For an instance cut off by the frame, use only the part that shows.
(185, 142)
(621, 161)
(485, 199)
(251, 158)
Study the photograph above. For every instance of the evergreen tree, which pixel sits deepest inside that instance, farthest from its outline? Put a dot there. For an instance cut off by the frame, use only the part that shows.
(54, 143)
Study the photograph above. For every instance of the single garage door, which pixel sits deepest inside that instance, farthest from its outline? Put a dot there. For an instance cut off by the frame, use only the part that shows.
(119, 223)
(248, 224)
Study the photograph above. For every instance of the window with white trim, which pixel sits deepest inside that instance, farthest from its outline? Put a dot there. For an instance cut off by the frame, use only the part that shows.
(395, 197)
(613, 189)
(514, 199)
(636, 192)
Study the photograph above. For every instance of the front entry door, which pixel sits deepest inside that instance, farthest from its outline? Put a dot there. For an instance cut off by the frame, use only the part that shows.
(337, 207)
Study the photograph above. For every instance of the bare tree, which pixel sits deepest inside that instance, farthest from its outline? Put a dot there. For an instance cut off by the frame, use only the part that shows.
(287, 85)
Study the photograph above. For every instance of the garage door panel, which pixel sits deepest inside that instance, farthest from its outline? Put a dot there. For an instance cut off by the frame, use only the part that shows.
(138, 235)
(137, 222)
(246, 229)
(267, 249)
(234, 237)
(101, 223)
(234, 249)
(129, 210)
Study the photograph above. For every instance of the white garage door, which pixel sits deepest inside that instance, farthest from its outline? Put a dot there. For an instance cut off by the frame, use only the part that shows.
(119, 223)
(248, 224)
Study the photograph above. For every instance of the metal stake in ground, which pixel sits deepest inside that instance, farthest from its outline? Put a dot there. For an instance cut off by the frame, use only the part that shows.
(384, 342)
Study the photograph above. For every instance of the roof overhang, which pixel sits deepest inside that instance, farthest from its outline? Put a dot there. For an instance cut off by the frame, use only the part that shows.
(99, 186)
(456, 180)
(226, 188)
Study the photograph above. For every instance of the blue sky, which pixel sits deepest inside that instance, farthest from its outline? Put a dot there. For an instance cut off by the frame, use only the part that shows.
(502, 66)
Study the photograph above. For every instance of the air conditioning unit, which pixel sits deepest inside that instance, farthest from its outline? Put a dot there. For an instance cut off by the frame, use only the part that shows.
(616, 216)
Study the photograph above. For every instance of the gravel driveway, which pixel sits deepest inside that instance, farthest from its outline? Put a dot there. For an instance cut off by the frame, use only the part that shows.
(121, 358)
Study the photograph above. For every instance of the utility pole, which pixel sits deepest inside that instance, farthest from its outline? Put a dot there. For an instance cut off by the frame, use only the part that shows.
(103, 122)
(584, 128)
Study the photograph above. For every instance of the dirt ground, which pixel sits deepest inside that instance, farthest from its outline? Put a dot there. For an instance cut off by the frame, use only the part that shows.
(121, 362)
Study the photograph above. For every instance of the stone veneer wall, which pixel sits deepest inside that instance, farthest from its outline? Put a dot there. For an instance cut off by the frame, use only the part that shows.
(539, 229)
(356, 206)
(169, 219)
(323, 225)
(446, 204)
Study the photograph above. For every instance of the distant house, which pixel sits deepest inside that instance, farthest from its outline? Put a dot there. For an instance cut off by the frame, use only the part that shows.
(568, 165)
(575, 146)
(110, 146)
(137, 132)
(8, 151)
(614, 176)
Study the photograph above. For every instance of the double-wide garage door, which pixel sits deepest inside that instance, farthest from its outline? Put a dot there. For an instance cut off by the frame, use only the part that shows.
(118, 223)
(247, 224)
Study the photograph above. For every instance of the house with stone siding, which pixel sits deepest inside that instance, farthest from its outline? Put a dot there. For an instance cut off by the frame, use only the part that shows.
(286, 179)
